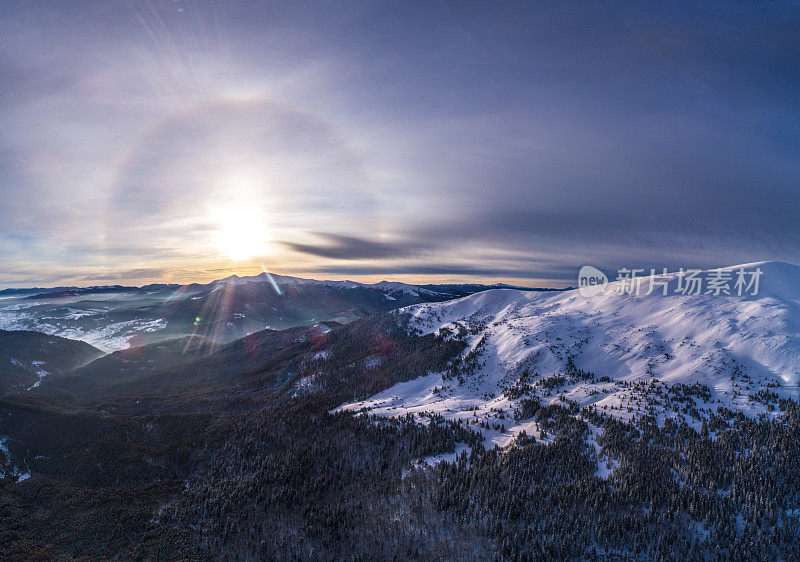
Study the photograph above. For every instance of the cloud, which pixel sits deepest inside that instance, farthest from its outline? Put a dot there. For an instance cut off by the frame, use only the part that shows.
(341, 247)
(620, 135)
(566, 273)
(27, 85)
(141, 273)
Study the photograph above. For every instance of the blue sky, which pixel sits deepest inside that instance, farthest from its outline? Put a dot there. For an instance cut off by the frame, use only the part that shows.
(421, 141)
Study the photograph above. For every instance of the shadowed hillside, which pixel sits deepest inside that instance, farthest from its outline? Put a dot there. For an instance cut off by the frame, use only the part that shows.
(26, 358)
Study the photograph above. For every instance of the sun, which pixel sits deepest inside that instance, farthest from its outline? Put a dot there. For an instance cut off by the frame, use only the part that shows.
(241, 232)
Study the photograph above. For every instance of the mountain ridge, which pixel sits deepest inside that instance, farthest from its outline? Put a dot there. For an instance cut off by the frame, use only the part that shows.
(115, 317)
(621, 354)
(281, 280)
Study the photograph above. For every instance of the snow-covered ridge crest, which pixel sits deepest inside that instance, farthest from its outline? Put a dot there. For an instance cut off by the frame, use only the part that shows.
(670, 355)
(286, 280)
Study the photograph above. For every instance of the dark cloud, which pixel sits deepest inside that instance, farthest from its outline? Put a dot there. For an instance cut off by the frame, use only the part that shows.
(566, 273)
(342, 247)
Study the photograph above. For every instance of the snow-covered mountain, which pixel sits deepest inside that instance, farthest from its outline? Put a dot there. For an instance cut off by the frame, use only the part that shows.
(116, 317)
(628, 355)
(387, 287)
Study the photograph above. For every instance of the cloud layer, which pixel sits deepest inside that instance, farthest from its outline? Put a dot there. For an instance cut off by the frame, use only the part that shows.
(426, 141)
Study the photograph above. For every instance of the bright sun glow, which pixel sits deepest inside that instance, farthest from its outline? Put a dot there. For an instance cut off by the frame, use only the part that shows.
(241, 233)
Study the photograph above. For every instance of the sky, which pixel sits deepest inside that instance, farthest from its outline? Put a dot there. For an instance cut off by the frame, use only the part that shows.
(182, 140)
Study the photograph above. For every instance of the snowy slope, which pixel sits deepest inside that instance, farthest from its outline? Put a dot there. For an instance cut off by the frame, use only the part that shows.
(740, 352)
